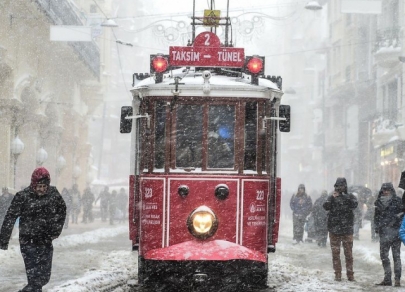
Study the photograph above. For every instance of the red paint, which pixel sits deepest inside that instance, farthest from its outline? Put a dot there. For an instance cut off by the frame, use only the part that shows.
(276, 225)
(131, 210)
(255, 195)
(207, 52)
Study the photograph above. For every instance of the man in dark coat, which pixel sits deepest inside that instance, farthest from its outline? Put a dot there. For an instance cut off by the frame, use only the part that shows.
(321, 219)
(42, 213)
(340, 226)
(301, 205)
(87, 202)
(104, 198)
(5, 201)
(387, 221)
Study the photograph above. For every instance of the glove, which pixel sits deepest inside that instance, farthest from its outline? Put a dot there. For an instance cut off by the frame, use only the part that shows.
(376, 231)
(4, 247)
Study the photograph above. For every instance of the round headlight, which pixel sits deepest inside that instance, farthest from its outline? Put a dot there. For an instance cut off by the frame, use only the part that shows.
(202, 222)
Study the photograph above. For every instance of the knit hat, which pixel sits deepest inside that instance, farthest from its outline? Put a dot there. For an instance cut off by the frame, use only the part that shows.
(40, 176)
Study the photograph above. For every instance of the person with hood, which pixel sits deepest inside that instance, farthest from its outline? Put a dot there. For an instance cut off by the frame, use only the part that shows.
(341, 205)
(42, 213)
(321, 219)
(301, 205)
(387, 222)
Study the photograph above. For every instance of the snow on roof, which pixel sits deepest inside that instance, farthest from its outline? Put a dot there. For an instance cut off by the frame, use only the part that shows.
(190, 77)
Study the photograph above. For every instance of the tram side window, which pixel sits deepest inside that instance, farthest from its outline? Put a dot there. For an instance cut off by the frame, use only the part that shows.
(221, 136)
(160, 134)
(250, 136)
(189, 129)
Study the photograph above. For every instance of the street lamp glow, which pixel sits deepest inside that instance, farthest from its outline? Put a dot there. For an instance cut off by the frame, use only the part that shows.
(60, 163)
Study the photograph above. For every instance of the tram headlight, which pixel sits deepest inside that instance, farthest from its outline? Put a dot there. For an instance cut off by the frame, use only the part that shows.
(202, 222)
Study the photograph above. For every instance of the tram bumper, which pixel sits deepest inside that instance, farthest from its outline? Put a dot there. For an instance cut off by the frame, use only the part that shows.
(203, 265)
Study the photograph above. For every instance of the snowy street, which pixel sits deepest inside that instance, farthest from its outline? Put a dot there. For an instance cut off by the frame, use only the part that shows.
(97, 257)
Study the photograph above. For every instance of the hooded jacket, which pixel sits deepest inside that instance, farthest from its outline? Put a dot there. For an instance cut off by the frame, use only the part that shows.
(41, 217)
(388, 216)
(341, 217)
(301, 204)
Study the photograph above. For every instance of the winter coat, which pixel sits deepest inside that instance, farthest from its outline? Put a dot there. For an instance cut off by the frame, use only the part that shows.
(387, 218)
(41, 217)
(87, 198)
(104, 198)
(301, 205)
(320, 214)
(341, 217)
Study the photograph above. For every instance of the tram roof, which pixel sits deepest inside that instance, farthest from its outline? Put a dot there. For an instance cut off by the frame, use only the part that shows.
(192, 83)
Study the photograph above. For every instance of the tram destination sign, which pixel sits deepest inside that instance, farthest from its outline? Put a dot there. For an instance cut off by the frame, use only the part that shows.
(207, 57)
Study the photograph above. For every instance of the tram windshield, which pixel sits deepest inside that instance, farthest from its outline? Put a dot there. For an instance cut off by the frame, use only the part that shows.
(204, 137)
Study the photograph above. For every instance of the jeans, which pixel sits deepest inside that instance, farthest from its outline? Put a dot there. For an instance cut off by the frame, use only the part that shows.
(38, 265)
(347, 242)
(385, 246)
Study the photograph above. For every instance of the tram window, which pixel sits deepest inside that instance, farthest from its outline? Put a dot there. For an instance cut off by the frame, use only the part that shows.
(160, 134)
(221, 136)
(250, 136)
(189, 129)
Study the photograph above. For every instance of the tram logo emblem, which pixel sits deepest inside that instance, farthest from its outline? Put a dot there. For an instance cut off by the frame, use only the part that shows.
(253, 208)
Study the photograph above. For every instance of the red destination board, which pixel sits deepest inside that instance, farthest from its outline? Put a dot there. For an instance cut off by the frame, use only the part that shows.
(207, 52)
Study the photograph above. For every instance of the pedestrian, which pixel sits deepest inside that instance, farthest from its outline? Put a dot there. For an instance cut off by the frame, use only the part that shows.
(67, 197)
(370, 216)
(122, 200)
(87, 202)
(76, 203)
(358, 218)
(340, 226)
(310, 228)
(321, 219)
(301, 205)
(42, 213)
(387, 220)
(104, 197)
(112, 206)
(5, 201)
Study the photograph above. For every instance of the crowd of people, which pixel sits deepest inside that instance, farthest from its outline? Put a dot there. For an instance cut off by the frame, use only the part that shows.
(341, 213)
(113, 205)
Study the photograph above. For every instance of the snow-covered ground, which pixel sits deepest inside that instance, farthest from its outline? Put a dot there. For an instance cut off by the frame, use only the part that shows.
(97, 257)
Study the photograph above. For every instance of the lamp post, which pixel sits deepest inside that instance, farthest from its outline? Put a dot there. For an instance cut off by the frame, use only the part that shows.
(42, 156)
(17, 147)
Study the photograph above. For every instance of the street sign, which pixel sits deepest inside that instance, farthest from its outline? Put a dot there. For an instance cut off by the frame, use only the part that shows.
(207, 53)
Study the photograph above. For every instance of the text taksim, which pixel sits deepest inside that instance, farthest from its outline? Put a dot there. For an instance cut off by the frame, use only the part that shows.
(185, 56)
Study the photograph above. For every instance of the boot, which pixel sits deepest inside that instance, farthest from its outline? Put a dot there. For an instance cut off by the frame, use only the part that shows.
(350, 277)
(338, 277)
(397, 283)
(384, 283)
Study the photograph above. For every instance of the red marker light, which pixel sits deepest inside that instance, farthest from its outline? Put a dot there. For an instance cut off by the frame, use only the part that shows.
(159, 64)
(255, 65)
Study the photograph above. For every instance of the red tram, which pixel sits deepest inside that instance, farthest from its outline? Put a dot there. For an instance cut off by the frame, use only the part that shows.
(204, 192)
